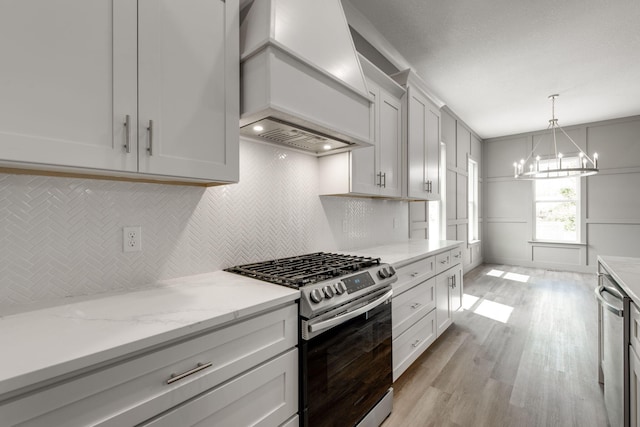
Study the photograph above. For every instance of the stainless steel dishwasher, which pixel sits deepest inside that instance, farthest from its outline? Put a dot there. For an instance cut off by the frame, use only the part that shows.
(613, 347)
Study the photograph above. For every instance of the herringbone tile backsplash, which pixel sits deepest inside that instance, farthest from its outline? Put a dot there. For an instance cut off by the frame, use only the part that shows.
(62, 237)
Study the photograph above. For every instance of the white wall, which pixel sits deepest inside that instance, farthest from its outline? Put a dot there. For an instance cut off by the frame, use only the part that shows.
(610, 200)
(62, 237)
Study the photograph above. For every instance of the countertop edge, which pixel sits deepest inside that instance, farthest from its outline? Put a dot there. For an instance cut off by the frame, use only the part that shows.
(54, 373)
(404, 253)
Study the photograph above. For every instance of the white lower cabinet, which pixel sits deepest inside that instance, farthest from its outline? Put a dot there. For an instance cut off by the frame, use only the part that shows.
(412, 343)
(216, 373)
(264, 396)
(634, 384)
(449, 291)
(426, 294)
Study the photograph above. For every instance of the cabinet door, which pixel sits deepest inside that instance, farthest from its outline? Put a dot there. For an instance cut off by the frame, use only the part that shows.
(634, 384)
(67, 82)
(456, 290)
(423, 148)
(390, 131)
(363, 160)
(443, 306)
(416, 143)
(188, 88)
(432, 149)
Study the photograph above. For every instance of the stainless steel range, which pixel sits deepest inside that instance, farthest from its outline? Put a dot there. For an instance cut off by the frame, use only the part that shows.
(345, 331)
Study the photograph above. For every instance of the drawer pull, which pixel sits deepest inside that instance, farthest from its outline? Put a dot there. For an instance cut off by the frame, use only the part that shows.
(416, 274)
(416, 305)
(444, 261)
(457, 256)
(178, 377)
(415, 344)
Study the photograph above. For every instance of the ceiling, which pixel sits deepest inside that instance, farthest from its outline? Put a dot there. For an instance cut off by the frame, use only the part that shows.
(494, 62)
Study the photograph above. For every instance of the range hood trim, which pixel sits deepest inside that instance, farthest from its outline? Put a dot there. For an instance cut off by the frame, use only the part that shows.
(265, 44)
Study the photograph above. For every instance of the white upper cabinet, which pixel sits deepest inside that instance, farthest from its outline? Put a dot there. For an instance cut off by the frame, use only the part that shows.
(423, 141)
(63, 97)
(188, 80)
(376, 170)
(75, 74)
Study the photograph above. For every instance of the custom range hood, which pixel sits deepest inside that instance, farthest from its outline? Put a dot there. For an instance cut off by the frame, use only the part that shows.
(301, 81)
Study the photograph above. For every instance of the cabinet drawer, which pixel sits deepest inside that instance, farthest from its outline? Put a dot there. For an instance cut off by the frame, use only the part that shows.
(635, 327)
(456, 256)
(413, 304)
(414, 273)
(443, 262)
(129, 392)
(410, 345)
(265, 396)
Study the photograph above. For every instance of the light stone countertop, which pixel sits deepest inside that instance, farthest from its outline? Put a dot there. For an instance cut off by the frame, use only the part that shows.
(626, 272)
(42, 344)
(401, 254)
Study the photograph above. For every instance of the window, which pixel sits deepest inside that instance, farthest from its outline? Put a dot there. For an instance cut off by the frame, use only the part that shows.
(472, 197)
(437, 209)
(557, 204)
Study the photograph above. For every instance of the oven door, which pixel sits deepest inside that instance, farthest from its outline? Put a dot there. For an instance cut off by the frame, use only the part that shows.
(347, 369)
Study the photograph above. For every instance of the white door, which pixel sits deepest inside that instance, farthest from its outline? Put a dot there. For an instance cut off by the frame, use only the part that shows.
(432, 150)
(364, 170)
(390, 130)
(443, 307)
(188, 78)
(67, 82)
(416, 143)
(634, 382)
(456, 289)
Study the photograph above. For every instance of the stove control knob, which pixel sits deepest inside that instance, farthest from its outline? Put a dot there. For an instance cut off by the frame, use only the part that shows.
(383, 273)
(392, 271)
(340, 288)
(328, 292)
(316, 295)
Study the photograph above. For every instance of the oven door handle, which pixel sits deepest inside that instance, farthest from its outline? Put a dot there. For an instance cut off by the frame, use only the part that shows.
(321, 326)
(612, 291)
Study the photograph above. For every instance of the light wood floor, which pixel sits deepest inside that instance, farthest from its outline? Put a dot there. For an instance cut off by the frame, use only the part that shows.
(537, 369)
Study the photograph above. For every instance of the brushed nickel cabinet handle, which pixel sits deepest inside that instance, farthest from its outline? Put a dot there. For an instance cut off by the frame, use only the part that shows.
(127, 134)
(416, 305)
(150, 130)
(416, 274)
(379, 183)
(415, 344)
(444, 261)
(384, 175)
(178, 377)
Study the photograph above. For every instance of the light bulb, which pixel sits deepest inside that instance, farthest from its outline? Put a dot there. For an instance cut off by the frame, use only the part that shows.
(258, 128)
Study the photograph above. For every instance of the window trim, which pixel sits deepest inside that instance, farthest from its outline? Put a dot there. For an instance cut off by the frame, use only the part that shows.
(579, 222)
(473, 206)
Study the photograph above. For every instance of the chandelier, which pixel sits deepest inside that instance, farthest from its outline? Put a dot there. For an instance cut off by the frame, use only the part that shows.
(556, 165)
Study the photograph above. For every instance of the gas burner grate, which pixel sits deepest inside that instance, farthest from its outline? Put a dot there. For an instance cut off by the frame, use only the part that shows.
(302, 270)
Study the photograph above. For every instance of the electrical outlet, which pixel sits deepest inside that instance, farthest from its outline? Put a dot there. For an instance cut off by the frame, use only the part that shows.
(132, 239)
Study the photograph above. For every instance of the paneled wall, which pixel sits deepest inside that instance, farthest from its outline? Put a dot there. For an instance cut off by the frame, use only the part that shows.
(461, 145)
(610, 200)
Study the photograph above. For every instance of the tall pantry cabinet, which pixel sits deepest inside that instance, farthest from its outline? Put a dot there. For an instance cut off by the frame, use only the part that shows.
(121, 87)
